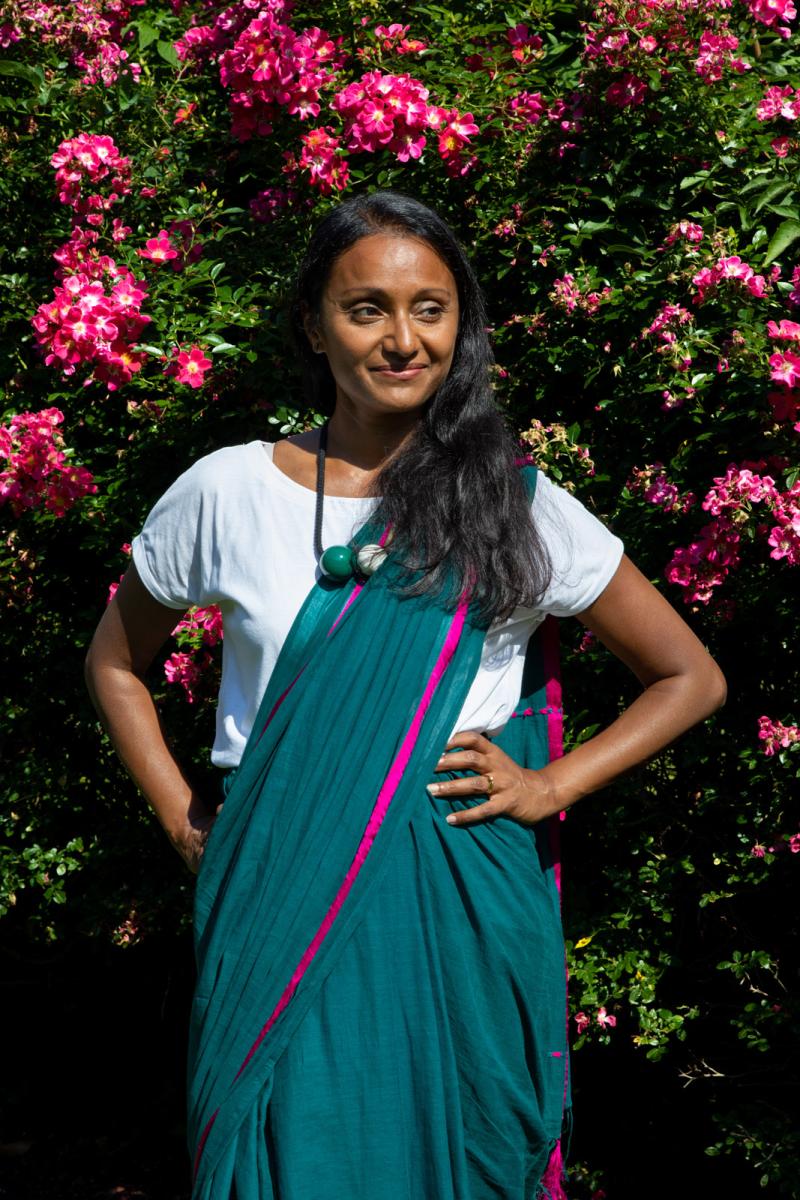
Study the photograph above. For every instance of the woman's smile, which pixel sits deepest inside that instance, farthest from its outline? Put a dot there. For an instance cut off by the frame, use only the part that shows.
(410, 372)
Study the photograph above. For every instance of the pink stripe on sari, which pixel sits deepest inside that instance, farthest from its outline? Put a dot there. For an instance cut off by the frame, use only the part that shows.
(379, 810)
(377, 815)
(554, 1173)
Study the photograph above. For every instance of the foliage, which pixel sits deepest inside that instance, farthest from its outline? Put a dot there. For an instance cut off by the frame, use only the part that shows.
(623, 175)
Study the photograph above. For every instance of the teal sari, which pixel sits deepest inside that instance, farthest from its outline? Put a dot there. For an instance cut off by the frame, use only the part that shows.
(380, 1006)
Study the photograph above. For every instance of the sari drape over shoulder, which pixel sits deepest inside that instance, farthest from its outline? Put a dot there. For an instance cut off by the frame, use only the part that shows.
(380, 1007)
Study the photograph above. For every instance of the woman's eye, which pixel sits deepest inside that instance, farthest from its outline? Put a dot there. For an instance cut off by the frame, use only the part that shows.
(366, 311)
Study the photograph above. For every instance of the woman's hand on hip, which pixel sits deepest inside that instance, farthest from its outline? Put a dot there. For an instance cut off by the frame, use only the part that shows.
(516, 792)
(190, 840)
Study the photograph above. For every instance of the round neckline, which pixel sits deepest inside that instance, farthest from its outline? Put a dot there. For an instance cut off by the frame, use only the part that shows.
(291, 485)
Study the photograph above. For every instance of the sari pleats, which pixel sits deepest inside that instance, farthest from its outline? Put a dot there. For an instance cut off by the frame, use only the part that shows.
(379, 1010)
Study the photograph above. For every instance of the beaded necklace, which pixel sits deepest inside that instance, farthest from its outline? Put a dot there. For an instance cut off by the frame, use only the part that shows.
(339, 563)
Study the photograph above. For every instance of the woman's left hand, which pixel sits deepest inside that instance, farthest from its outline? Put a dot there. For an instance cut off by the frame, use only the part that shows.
(516, 792)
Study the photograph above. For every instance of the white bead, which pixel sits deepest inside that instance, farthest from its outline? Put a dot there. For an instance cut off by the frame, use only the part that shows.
(369, 558)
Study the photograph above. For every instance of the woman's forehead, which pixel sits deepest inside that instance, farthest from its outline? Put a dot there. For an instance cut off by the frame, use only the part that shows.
(390, 261)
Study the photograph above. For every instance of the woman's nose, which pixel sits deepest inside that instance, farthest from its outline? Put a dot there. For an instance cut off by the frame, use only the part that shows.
(401, 336)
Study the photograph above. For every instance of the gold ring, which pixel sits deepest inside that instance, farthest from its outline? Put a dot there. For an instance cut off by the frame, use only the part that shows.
(490, 788)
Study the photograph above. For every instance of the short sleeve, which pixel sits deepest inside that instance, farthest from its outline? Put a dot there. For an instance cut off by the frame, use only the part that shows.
(584, 553)
(171, 553)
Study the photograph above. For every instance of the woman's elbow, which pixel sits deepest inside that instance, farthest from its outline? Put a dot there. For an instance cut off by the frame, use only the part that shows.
(715, 687)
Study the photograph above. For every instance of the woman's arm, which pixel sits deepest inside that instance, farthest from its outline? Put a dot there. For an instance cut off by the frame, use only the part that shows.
(129, 635)
(682, 685)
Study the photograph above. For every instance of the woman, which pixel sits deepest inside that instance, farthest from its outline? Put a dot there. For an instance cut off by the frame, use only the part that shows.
(379, 1009)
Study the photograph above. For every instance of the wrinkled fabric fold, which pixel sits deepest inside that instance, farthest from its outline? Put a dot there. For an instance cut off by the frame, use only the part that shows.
(330, 864)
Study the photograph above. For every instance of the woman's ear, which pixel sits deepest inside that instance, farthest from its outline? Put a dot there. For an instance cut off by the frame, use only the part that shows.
(310, 325)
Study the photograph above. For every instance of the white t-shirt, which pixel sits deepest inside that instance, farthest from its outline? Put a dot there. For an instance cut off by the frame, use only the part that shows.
(235, 531)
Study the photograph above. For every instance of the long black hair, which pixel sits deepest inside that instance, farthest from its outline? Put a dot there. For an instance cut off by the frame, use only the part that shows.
(453, 495)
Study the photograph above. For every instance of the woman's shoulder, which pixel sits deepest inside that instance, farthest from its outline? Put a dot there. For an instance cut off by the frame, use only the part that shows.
(584, 552)
(226, 460)
(225, 469)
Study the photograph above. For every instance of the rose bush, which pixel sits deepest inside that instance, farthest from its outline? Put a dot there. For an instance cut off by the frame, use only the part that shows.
(624, 174)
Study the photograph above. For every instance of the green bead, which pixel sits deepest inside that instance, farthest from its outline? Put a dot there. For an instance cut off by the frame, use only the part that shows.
(337, 562)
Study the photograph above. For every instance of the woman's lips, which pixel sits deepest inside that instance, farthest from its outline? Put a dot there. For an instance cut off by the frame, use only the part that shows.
(405, 373)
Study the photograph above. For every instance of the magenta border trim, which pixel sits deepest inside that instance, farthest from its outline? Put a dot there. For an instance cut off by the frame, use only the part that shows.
(379, 810)
(555, 741)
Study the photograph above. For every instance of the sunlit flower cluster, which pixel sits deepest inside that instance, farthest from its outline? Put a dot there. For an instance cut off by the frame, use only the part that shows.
(686, 230)
(552, 445)
(129, 932)
(271, 67)
(663, 324)
(90, 158)
(604, 1019)
(569, 297)
(392, 112)
(198, 629)
(200, 626)
(715, 53)
(731, 270)
(527, 109)
(94, 319)
(186, 670)
(779, 102)
(705, 564)
(37, 470)
(321, 159)
(188, 366)
(88, 31)
(785, 369)
(206, 43)
(784, 536)
(775, 735)
(634, 37)
(653, 485)
(738, 487)
(772, 12)
(393, 39)
(508, 226)
(525, 45)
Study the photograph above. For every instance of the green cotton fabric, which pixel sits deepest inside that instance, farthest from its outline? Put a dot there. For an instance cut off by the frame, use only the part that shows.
(404, 1039)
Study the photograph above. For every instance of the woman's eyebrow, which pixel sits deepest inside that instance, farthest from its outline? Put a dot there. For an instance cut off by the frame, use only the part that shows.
(366, 290)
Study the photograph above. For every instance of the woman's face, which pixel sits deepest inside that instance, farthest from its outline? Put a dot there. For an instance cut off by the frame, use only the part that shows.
(388, 323)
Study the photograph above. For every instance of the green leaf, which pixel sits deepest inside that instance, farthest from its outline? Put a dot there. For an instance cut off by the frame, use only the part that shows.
(771, 192)
(147, 34)
(167, 52)
(622, 248)
(783, 210)
(223, 347)
(33, 75)
(786, 233)
(215, 270)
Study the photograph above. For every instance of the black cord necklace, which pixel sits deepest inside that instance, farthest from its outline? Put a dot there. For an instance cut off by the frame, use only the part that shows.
(339, 563)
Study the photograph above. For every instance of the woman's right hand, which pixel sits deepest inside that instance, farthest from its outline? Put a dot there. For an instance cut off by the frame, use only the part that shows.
(133, 627)
(190, 842)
